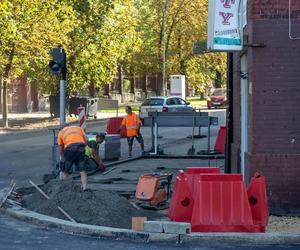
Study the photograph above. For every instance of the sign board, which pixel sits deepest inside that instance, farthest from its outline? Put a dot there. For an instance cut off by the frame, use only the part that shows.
(199, 47)
(177, 86)
(224, 25)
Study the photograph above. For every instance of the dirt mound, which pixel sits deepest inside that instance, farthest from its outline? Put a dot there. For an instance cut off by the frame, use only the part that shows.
(97, 207)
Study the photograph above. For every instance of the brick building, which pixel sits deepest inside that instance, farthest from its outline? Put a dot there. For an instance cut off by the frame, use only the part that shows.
(266, 106)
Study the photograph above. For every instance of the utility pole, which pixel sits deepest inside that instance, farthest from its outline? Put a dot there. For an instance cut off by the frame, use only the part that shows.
(164, 11)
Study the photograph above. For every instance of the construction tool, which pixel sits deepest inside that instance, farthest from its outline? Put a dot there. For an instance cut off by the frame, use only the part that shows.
(6, 194)
(48, 198)
(153, 191)
(108, 171)
(192, 150)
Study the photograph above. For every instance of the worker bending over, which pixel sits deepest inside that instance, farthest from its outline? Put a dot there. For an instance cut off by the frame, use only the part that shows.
(93, 159)
(72, 142)
(132, 123)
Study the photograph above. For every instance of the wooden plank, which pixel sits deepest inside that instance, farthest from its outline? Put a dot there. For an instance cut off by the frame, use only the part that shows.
(108, 171)
(6, 194)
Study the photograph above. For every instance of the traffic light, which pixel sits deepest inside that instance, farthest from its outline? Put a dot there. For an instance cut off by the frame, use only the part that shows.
(58, 64)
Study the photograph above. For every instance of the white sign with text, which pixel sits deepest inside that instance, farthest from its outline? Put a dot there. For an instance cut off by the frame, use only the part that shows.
(224, 25)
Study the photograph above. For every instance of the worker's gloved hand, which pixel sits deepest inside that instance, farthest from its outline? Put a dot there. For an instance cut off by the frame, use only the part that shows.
(101, 167)
(119, 130)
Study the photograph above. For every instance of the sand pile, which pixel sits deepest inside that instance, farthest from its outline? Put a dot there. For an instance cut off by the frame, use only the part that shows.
(98, 207)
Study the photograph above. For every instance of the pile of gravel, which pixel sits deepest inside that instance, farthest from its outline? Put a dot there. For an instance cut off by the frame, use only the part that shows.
(97, 207)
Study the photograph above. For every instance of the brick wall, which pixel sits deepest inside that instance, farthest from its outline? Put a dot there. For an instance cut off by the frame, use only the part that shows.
(282, 173)
(272, 9)
(274, 102)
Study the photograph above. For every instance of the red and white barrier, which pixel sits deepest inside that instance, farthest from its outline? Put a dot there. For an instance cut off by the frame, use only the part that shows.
(82, 117)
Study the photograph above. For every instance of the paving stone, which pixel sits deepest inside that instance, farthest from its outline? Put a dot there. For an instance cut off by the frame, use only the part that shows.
(153, 226)
(176, 227)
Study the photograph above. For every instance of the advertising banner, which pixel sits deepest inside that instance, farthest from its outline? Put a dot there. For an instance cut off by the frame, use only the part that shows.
(224, 25)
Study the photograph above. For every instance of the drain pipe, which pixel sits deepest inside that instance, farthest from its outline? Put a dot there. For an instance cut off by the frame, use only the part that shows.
(290, 25)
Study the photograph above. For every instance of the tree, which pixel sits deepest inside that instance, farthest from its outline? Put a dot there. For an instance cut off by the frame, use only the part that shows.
(28, 29)
(102, 38)
(186, 23)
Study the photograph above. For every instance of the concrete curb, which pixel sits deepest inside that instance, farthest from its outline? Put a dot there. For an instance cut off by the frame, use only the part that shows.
(49, 222)
(126, 234)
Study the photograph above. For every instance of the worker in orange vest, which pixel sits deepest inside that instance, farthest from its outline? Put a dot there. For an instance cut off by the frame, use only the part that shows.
(132, 122)
(71, 142)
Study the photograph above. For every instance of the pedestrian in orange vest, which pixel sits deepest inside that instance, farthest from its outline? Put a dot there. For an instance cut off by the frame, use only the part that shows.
(132, 122)
(72, 142)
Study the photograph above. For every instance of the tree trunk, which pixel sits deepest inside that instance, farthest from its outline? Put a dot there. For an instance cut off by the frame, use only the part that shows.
(120, 82)
(92, 89)
(4, 104)
(218, 79)
(5, 82)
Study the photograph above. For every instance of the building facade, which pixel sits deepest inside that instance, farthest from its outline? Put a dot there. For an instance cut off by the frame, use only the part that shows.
(266, 93)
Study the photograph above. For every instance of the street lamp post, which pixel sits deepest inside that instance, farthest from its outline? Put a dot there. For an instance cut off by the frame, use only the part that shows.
(164, 10)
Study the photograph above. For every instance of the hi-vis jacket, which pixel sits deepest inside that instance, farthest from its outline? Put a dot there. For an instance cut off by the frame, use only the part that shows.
(132, 123)
(71, 135)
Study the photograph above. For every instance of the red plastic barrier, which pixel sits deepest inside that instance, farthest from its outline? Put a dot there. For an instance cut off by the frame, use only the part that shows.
(193, 175)
(181, 203)
(114, 124)
(200, 170)
(257, 196)
(221, 140)
(221, 205)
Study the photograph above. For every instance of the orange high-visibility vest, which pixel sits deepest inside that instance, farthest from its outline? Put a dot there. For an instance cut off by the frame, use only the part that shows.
(70, 135)
(132, 123)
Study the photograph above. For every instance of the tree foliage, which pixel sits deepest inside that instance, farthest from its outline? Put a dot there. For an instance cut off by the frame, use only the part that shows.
(101, 35)
(186, 24)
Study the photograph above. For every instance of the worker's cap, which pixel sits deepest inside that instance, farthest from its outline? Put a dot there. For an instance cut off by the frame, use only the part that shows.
(101, 135)
(63, 125)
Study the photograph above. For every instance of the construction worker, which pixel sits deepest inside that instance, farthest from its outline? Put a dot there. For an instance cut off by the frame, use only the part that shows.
(93, 159)
(71, 142)
(132, 123)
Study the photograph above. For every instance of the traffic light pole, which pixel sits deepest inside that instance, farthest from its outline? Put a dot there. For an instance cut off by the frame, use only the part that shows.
(62, 97)
(62, 101)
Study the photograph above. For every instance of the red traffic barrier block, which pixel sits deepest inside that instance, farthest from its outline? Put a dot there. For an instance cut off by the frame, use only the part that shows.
(114, 124)
(199, 170)
(257, 196)
(181, 203)
(193, 176)
(221, 140)
(221, 205)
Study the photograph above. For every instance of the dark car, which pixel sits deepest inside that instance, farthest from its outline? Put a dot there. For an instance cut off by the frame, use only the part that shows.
(217, 99)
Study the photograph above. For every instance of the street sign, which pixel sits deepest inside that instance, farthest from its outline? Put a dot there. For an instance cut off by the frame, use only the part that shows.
(199, 47)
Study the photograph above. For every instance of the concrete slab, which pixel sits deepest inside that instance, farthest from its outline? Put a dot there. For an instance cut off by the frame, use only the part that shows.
(171, 227)
(153, 226)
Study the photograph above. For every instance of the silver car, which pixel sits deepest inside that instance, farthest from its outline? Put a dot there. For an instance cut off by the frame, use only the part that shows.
(164, 104)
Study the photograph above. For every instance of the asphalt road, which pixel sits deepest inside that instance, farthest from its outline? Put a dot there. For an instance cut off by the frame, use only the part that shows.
(28, 156)
(25, 156)
(15, 235)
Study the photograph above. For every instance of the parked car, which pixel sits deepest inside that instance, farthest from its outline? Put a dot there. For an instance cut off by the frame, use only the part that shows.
(164, 104)
(217, 99)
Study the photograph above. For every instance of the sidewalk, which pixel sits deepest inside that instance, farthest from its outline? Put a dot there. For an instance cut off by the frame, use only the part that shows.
(41, 120)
